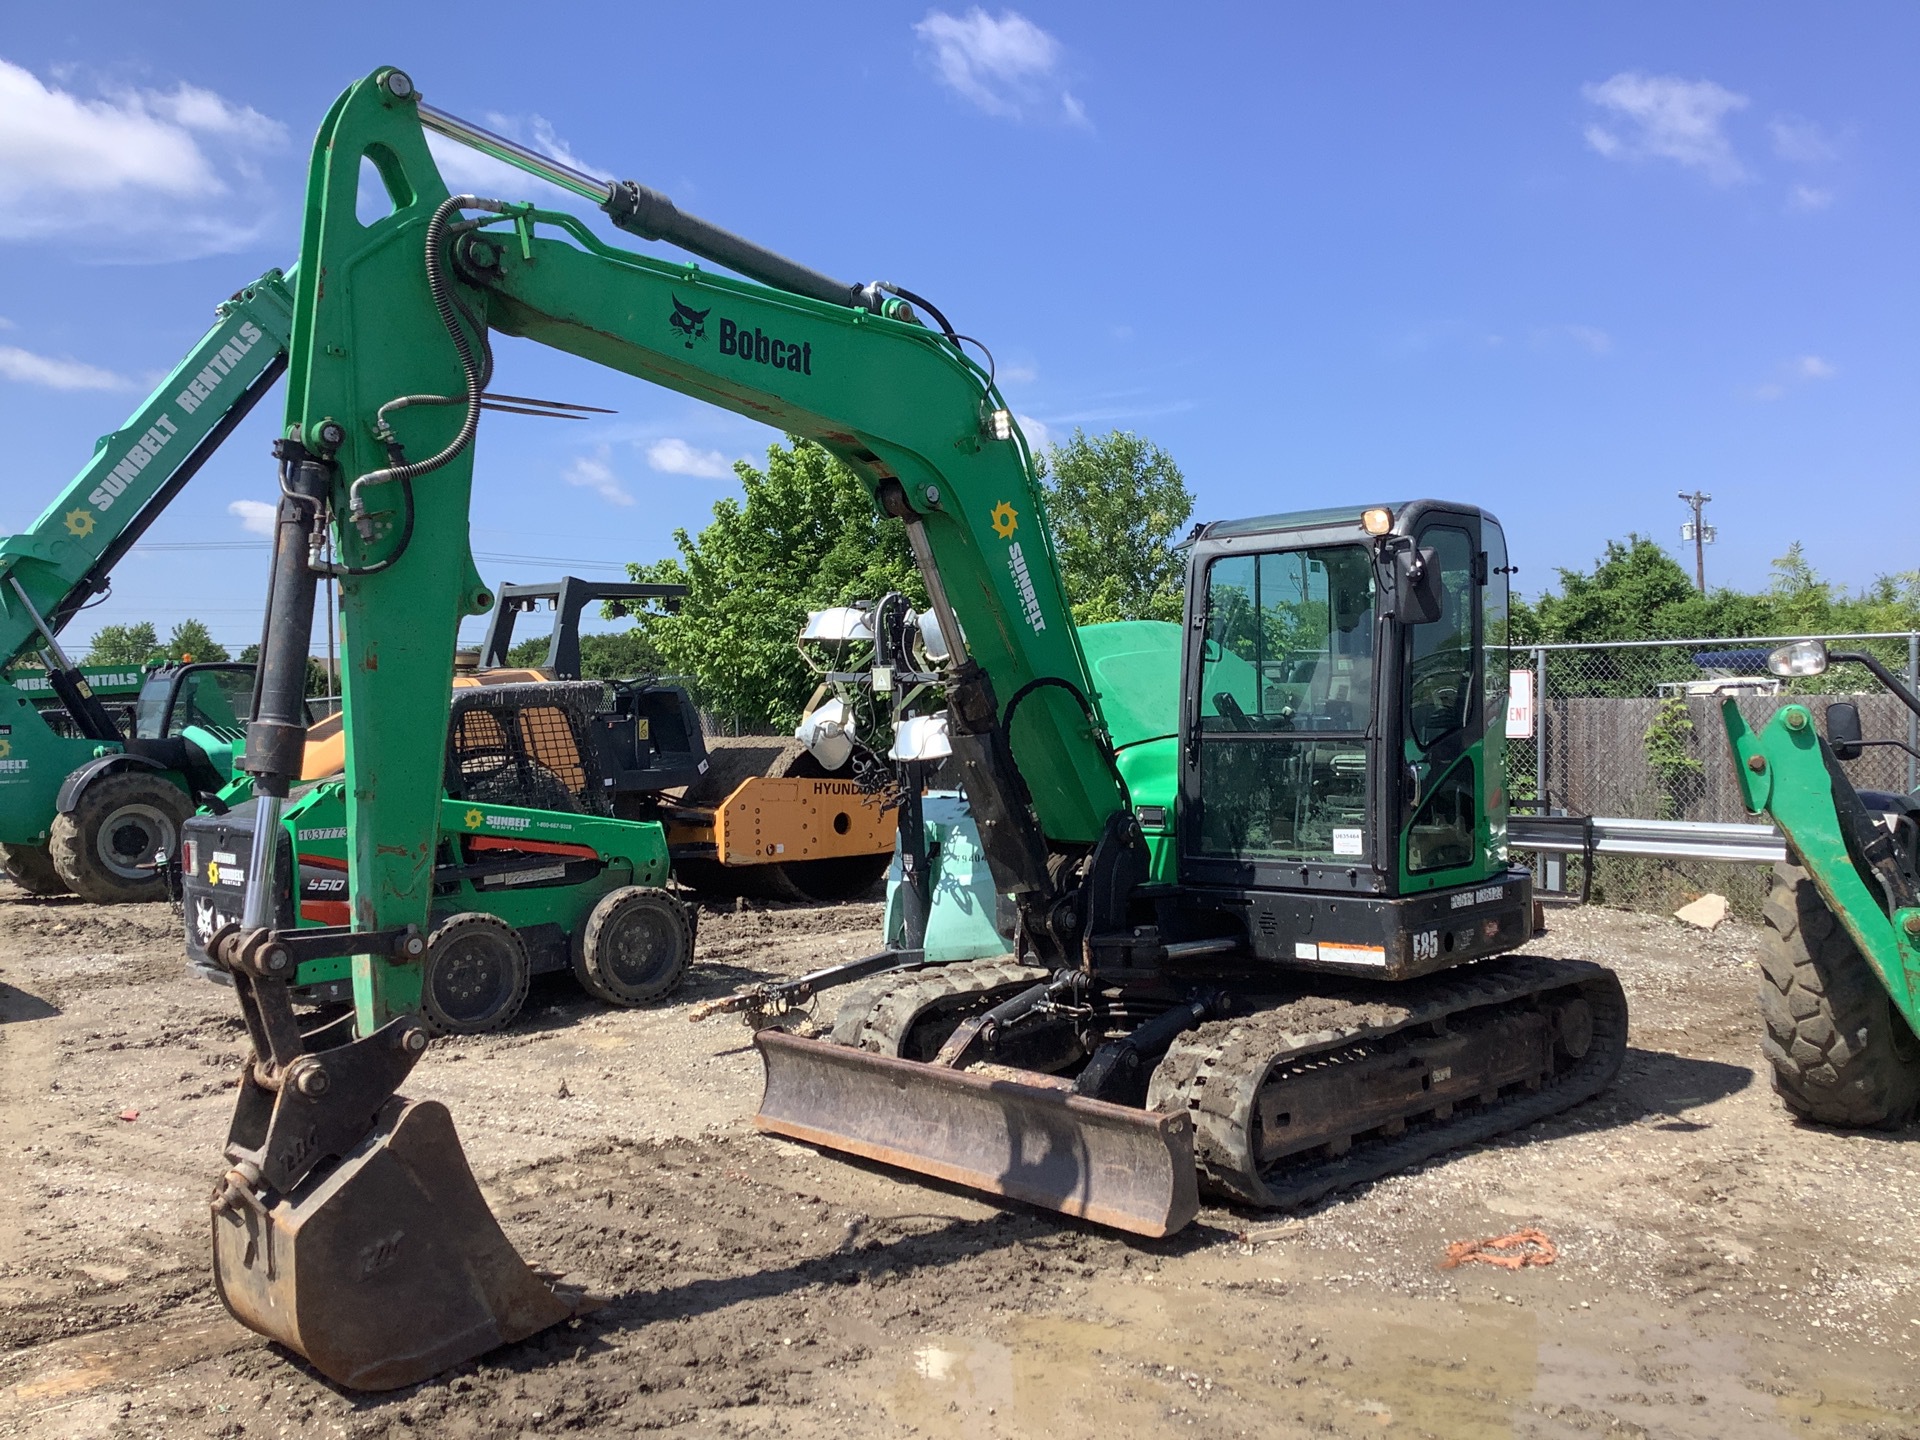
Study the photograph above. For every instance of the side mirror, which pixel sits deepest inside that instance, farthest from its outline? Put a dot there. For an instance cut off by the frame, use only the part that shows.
(1416, 586)
(1803, 657)
(1843, 730)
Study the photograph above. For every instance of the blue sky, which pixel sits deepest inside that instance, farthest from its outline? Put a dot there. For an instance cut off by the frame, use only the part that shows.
(1562, 260)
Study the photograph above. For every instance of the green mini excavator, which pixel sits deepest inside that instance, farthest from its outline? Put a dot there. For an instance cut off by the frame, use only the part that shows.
(1273, 951)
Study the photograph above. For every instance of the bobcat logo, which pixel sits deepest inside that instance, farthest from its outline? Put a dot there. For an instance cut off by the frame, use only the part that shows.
(688, 323)
(203, 921)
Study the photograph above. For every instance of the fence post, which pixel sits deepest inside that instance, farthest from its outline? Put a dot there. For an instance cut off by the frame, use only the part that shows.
(1913, 721)
(1540, 728)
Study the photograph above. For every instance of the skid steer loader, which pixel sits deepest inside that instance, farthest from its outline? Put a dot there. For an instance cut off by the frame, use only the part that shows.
(1284, 965)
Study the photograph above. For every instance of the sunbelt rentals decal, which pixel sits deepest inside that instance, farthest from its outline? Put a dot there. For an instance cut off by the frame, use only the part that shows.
(1006, 524)
(146, 446)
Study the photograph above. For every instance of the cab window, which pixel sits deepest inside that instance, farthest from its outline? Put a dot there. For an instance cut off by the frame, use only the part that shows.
(1440, 696)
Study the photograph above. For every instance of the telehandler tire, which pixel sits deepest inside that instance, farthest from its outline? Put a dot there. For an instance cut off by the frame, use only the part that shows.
(31, 868)
(1842, 1054)
(474, 976)
(634, 948)
(105, 847)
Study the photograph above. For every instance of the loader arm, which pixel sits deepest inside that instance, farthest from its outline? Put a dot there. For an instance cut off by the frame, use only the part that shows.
(900, 403)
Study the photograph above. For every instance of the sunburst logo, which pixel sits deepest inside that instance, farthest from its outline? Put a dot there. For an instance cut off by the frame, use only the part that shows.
(474, 817)
(213, 872)
(80, 523)
(1006, 520)
(6, 748)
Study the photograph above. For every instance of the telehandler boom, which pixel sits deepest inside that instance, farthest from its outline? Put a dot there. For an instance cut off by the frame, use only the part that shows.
(1329, 833)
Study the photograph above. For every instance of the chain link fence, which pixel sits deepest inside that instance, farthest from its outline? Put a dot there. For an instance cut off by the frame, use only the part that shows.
(1633, 729)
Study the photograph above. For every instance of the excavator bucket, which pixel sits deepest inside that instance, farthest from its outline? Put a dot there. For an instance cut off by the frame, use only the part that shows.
(388, 1268)
(1128, 1169)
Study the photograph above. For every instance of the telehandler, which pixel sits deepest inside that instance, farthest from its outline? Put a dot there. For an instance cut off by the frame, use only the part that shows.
(1285, 968)
(109, 799)
(1840, 997)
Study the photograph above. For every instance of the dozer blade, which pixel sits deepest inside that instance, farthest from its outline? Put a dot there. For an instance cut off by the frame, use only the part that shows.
(1111, 1164)
(387, 1269)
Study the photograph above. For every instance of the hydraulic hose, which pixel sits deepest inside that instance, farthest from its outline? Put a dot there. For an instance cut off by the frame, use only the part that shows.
(476, 368)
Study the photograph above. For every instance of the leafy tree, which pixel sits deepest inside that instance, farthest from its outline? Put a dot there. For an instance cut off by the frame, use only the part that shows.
(619, 655)
(804, 536)
(1115, 503)
(316, 671)
(192, 639)
(124, 644)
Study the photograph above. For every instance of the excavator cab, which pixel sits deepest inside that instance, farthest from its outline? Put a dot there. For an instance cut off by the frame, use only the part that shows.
(1342, 690)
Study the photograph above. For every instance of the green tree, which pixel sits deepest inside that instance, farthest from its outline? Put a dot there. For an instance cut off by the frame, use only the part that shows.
(804, 536)
(1637, 591)
(133, 644)
(190, 638)
(617, 655)
(1115, 502)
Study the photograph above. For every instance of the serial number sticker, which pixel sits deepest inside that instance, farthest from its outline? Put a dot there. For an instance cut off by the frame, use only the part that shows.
(1353, 954)
(530, 877)
(1349, 840)
(1305, 950)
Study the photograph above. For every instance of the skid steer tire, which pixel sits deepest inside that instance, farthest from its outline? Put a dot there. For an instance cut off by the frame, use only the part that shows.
(106, 846)
(474, 976)
(634, 948)
(31, 868)
(1841, 1053)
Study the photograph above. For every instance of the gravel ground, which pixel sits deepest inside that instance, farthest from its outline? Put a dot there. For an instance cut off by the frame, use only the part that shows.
(1722, 1270)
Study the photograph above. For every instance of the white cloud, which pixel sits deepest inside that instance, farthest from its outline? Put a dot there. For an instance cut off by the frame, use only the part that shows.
(674, 456)
(1595, 340)
(1006, 66)
(6, 324)
(31, 369)
(89, 171)
(1802, 142)
(1039, 437)
(1667, 118)
(1018, 374)
(256, 516)
(1799, 370)
(466, 169)
(593, 472)
(1809, 197)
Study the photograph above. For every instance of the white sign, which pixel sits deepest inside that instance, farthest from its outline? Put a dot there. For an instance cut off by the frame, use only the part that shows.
(1520, 709)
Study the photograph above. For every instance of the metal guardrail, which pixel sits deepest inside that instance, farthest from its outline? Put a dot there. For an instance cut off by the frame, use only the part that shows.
(1656, 839)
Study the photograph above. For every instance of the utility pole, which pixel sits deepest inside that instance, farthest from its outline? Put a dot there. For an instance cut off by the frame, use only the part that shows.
(1700, 533)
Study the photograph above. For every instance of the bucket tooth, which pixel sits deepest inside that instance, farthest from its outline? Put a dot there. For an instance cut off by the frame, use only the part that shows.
(1128, 1169)
(388, 1268)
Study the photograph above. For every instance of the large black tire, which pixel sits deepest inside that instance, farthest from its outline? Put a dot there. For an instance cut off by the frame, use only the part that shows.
(1841, 1053)
(474, 976)
(31, 868)
(634, 948)
(105, 848)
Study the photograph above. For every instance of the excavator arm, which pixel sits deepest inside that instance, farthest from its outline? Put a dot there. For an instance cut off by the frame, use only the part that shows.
(404, 312)
(389, 361)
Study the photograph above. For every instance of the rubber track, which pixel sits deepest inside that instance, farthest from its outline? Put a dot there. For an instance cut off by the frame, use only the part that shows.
(880, 1018)
(1217, 1070)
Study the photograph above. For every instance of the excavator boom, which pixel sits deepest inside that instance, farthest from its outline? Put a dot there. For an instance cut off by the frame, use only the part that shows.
(388, 363)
